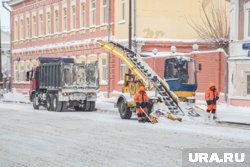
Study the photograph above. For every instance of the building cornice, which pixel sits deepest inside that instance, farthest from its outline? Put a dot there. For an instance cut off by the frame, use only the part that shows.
(15, 2)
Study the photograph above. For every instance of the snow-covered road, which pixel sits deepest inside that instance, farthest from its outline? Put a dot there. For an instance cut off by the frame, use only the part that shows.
(42, 138)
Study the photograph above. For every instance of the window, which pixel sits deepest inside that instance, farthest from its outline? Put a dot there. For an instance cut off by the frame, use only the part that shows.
(16, 72)
(34, 26)
(27, 27)
(48, 23)
(56, 21)
(248, 23)
(247, 20)
(83, 14)
(64, 19)
(93, 10)
(73, 22)
(104, 10)
(15, 31)
(123, 70)
(123, 10)
(248, 84)
(104, 69)
(21, 77)
(27, 68)
(22, 29)
(41, 25)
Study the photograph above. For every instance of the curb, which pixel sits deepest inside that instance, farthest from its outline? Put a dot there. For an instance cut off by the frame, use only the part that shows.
(16, 102)
(233, 123)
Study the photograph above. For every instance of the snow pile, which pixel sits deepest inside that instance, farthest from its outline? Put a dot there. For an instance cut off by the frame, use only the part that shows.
(16, 97)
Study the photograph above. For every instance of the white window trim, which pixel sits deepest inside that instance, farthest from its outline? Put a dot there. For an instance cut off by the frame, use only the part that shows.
(71, 17)
(121, 77)
(64, 6)
(56, 31)
(233, 17)
(48, 31)
(123, 19)
(81, 11)
(246, 19)
(104, 8)
(27, 29)
(101, 57)
(91, 14)
(16, 28)
(34, 27)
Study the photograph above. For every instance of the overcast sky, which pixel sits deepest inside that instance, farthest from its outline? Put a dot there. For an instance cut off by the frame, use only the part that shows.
(5, 17)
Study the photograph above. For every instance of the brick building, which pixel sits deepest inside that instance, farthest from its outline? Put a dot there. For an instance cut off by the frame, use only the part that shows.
(70, 28)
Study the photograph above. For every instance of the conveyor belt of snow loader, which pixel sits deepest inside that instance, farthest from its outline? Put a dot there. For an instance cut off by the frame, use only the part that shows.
(140, 68)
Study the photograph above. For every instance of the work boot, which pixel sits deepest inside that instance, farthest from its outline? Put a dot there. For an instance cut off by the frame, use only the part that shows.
(141, 120)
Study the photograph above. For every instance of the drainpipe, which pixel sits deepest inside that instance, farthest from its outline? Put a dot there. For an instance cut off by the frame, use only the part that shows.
(4, 5)
(1, 76)
(109, 56)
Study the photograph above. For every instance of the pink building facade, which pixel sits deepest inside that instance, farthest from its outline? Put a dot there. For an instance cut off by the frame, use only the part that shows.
(70, 28)
(239, 56)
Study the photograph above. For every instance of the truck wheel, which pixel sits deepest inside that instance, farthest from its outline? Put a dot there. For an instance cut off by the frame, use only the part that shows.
(49, 102)
(124, 111)
(92, 106)
(88, 106)
(77, 108)
(35, 105)
(54, 106)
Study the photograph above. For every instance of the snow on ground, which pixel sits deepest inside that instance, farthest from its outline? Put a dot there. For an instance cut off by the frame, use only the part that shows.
(16, 97)
(43, 138)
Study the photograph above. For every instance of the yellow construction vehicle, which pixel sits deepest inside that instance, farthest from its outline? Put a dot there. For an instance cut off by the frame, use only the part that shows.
(142, 75)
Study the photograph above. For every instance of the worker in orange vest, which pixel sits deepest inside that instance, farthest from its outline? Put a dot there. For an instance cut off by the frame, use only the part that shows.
(211, 96)
(141, 100)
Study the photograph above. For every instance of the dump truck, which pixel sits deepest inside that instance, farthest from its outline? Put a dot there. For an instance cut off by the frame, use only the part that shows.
(59, 83)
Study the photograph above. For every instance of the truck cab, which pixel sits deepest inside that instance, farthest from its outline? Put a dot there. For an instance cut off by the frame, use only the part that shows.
(180, 74)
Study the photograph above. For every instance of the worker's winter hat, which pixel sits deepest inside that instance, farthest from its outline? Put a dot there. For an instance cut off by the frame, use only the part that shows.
(142, 89)
(211, 85)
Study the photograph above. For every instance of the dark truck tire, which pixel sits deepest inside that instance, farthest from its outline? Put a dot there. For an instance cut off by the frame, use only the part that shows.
(49, 102)
(35, 105)
(77, 108)
(88, 106)
(59, 105)
(125, 112)
(92, 106)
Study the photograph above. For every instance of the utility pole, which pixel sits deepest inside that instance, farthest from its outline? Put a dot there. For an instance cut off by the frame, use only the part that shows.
(109, 36)
(1, 76)
(130, 29)
(130, 25)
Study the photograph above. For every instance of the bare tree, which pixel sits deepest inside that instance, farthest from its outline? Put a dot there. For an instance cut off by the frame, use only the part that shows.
(214, 24)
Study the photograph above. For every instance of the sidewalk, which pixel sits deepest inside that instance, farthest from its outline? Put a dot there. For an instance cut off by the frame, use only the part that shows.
(228, 113)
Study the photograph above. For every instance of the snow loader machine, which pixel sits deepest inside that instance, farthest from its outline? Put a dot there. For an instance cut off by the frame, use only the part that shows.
(142, 75)
(60, 83)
